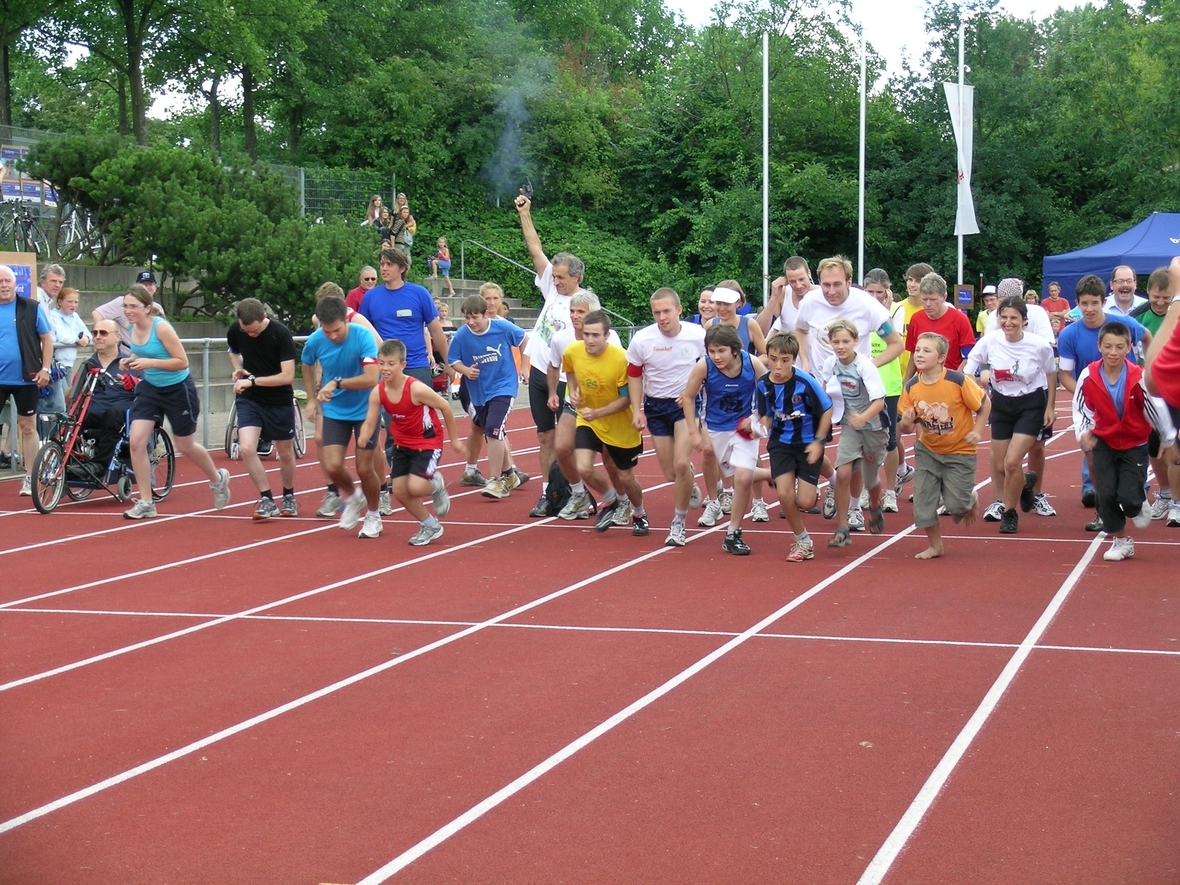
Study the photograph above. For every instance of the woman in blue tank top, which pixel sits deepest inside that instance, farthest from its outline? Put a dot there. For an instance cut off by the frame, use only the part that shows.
(167, 391)
(726, 296)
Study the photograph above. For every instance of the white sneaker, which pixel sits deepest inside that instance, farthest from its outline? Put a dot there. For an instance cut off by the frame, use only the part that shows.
(711, 514)
(828, 511)
(141, 510)
(352, 510)
(758, 511)
(496, 487)
(426, 534)
(577, 507)
(622, 515)
(331, 505)
(694, 500)
(1159, 510)
(26, 487)
(725, 499)
(864, 499)
(371, 527)
(1142, 519)
(856, 519)
(994, 512)
(439, 497)
(1042, 507)
(904, 474)
(1174, 515)
(221, 489)
(385, 504)
(677, 536)
(889, 501)
(1122, 548)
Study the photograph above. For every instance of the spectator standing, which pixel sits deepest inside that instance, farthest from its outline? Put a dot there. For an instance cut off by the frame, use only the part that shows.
(366, 281)
(26, 354)
(49, 284)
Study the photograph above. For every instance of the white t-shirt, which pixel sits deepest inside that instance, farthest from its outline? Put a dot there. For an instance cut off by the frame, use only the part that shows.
(1038, 323)
(666, 361)
(1018, 367)
(857, 384)
(562, 340)
(554, 317)
(815, 315)
(785, 322)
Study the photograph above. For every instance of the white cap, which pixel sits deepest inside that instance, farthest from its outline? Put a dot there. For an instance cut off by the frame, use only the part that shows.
(726, 295)
(989, 289)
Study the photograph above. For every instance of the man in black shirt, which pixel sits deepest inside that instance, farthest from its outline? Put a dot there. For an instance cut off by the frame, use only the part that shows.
(262, 352)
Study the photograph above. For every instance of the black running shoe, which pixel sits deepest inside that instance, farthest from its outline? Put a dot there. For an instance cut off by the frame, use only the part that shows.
(1028, 498)
(1009, 522)
(639, 526)
(1089, 499)
(606, 516)
(734, 544)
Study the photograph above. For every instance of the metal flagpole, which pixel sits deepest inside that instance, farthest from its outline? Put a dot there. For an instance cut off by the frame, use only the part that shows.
(962, 78)
(765, 167)
(860, 242)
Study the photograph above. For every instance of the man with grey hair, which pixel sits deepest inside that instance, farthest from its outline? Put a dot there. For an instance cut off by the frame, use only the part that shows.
(367, 280)
(940, 318)
(26, 354)
(559, 280)
(49, 284)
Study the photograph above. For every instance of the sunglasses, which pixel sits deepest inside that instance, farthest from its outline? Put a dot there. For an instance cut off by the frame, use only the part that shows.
(368, 279)
(101, 333)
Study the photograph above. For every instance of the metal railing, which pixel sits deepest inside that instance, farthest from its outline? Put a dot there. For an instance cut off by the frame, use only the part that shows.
(490, 250)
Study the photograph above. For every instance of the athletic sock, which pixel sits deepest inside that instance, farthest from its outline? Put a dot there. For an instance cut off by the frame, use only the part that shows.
(803, 538)
(429, 521)
(638, 510)
(287, 491)
(470, 469)
(385, 486)
(610, 497)
(728, 491)
(332, 489)
(577, 488)
(679, 515)
(268, 494)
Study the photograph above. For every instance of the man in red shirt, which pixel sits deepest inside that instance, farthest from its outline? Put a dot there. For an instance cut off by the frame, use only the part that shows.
(1057, 307)
(368, 280)
(937, 316)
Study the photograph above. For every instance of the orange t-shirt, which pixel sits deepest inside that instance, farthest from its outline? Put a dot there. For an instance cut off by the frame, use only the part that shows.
(945, 411)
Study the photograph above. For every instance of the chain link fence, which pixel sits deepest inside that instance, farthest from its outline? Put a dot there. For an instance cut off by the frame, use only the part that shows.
(325, 192)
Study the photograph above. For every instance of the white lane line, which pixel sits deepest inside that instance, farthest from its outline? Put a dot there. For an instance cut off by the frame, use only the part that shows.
(881, 863)
(477, 811)
(193, 747)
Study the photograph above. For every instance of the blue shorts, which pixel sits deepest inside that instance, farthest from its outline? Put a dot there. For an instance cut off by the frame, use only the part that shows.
(662, 415)
(492, 416)
(444, 267)
(276, 422)
(179, 403)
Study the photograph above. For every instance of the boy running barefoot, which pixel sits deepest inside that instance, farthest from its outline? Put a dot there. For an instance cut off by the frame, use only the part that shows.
(859, 400)
(797, 414)
(728, 376)
(417, 444)
(950, 411)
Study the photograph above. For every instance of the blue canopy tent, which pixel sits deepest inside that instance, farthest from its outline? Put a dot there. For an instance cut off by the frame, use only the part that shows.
(1151, 243)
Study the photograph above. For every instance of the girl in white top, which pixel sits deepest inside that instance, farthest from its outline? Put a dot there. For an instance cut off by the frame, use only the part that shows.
(1023, 380)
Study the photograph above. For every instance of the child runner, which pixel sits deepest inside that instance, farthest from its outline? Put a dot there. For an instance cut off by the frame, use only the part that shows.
(417, 444)
(1113, 415)
(797, 413)
(858, 402)
(728, 376)
(941, 402)
(481, 352)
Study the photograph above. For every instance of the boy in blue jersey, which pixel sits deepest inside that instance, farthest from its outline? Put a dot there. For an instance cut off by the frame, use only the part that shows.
(347, 354)
(797, 414)
(481, 352)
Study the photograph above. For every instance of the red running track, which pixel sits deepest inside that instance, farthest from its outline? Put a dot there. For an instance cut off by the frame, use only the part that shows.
(206, 699)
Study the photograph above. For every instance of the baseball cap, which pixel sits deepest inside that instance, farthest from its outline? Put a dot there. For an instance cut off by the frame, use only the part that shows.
(146, 277)
(989, 289)
(726, 295)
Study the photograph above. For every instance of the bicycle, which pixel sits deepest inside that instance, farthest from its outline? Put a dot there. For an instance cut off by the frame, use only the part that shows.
(265, 446)
(22, 230)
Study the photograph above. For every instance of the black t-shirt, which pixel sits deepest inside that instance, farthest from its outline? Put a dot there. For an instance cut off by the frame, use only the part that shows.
(264, 356)
(111, 389)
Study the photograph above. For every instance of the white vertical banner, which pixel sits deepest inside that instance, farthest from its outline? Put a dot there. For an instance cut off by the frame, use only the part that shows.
(963, 121)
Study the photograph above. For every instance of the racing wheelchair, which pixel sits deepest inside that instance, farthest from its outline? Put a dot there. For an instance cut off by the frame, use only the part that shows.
(266, 446)
(66, 462)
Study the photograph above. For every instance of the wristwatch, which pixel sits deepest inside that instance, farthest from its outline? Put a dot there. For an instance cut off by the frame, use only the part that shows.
(337, 381)
(253, 381)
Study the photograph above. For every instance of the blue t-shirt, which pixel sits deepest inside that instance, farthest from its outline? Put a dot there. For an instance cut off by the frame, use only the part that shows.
(402, 314)
(10, 362)
(492, 353)
(794, 407)
(344, 360)
(1078, 342)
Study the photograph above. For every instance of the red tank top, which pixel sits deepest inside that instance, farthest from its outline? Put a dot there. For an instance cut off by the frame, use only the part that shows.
(413, 427)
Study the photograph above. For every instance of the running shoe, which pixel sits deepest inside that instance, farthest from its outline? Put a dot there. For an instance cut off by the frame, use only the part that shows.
(640, 526)
(864, 499)
(1159, 510)
(1094, 525)
(1174, 515)
(371, 527)
(577, 507)
(1089, 499)
(904, 474)
(26, 486)
(1142, 519)
(711, 514)
(994, 512)
(521, 477)
(606, 516)
(623, 513)
(828, 510)
(694, 500)
(856, 519)
(677, 536)
(725, 499)
(385, 503)
(1120, 549)
(889, 501)
(1043, 507)
(540, 509)
(352, 510)
(511, 479)
(221, 489)
(474, 479)
(288, 507)
(439, 497)
(758, 511)
(497, 487)
(1028, 498)
(141, 510)
(800, 552)
(331, 505)
(1009, 522)
(266, 509)
(426, 534)
(734, 544)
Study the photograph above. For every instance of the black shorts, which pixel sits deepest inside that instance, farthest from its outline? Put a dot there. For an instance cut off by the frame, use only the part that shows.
(543, 416)
(890, 417)
(1018, 414)
(416, 462)
(179, 403)
(337, 433)
(624, 459)
(276, 422)
(492, 417)
(465, 396)
(792, 458)
(662, 415)
(25, 397)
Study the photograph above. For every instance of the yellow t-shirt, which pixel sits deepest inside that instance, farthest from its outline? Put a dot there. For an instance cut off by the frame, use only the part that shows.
(944, 411)
(601, 380)
(907, 313)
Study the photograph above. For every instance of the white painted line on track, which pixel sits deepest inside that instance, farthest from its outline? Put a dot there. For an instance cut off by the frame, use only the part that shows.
(881, 863)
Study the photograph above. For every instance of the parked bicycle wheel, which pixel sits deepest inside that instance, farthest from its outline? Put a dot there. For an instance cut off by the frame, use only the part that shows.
(300, 433)
(163, 461)
(49, 476)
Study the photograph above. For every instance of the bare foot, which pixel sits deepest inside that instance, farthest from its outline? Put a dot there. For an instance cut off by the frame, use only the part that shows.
(972, 514)
(929, 553)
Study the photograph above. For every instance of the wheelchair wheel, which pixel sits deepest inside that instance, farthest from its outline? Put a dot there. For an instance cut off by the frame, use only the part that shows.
(231, 432)
(49, 476)
(300, 433)
(79, 492)
(123, 489)
(163, 463)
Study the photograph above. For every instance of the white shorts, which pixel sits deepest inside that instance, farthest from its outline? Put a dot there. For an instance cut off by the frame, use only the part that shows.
(734, 451)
